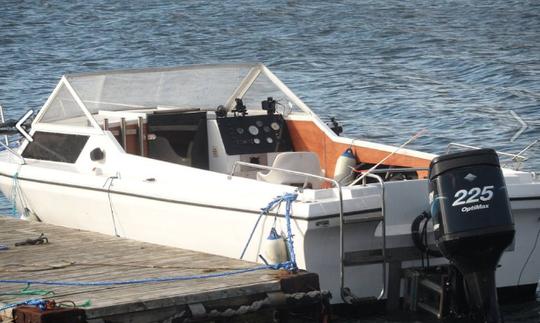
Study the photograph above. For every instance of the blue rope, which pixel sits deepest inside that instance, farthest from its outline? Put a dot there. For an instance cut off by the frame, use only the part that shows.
(138, 281)
(264, 211)
(288, 198)
(32, 302)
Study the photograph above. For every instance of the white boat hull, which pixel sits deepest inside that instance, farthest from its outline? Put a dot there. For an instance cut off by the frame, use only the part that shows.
(136, 210)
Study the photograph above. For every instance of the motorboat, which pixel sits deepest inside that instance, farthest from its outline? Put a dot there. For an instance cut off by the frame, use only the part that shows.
(188, 156)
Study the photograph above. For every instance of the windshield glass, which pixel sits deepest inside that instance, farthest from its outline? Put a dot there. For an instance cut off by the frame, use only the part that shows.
(202, 87)
(262, 89)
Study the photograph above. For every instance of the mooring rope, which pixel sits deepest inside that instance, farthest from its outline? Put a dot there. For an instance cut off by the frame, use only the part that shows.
(288, 198)
(14, 193)
(139, 281)
(301, 298)
(17, 194)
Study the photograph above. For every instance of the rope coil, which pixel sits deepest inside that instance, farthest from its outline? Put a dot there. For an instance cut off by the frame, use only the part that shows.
(298, 298)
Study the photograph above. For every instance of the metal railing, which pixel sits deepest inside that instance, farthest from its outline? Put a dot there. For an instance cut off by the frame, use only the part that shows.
(393, 170)
(398, 170)
(308, 175)
(341, 220)
(2, 119)
(515, 157)
(383, 227)
(5, 143)
(518, 158)
(14, 153)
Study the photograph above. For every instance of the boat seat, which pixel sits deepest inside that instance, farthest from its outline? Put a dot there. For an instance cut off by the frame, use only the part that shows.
(162, 150)
(300, 161)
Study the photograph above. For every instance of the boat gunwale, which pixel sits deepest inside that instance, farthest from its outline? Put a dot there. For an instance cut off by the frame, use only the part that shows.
(167, 200)
(281, 215)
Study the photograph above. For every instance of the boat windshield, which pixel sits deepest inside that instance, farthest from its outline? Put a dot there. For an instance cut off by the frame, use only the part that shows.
(80, 97)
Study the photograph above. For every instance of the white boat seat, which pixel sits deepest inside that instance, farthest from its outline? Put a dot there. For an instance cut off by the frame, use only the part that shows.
(300, 161)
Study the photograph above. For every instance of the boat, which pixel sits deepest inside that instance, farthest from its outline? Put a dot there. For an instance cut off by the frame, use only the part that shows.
(188, 156)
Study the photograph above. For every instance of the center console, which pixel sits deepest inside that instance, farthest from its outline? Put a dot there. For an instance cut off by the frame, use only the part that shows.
(255, 139)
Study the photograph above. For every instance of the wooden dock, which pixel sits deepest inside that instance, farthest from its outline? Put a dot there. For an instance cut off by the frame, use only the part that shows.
(75, 255)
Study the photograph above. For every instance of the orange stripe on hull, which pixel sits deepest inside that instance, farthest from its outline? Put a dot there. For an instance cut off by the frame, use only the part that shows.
(307, 136)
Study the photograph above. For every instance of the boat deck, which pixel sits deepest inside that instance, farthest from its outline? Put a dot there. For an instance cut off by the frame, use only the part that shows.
(75, 255)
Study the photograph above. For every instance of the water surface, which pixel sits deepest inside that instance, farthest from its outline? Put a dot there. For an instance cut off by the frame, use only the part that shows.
(385, 69)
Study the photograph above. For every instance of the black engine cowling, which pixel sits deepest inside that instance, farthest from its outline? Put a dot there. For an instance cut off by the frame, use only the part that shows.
(472, 221)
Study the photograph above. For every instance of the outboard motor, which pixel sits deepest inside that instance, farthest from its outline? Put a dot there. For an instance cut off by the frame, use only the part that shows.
(472, 222)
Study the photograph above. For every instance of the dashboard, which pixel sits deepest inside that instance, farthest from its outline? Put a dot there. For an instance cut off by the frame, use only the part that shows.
(254, 134)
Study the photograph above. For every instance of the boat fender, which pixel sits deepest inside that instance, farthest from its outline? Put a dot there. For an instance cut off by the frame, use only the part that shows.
(344, 165)
(274, 248)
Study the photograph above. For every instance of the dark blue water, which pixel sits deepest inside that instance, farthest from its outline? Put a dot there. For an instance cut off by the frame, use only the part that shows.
(386, 69)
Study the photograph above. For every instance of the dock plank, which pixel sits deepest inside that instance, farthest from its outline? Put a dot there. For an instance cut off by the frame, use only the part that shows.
(76, 255)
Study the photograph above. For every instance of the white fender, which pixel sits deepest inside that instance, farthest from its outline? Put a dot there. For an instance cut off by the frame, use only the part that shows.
(274, 248)
(343, 171)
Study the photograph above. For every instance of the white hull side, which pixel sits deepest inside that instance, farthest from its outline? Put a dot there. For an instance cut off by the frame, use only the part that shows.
(213, 229)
